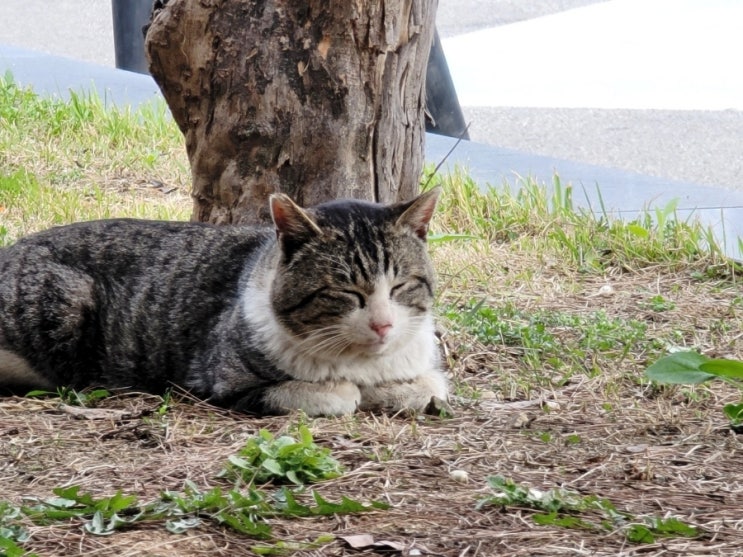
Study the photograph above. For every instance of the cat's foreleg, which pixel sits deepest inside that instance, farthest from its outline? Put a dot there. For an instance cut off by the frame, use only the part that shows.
(334, 398)
(413, 394)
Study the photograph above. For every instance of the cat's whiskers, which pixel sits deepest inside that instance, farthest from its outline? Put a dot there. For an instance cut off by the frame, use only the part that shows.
(328, 340)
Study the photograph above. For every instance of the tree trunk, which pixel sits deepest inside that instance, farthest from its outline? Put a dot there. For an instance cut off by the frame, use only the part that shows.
(317, 99)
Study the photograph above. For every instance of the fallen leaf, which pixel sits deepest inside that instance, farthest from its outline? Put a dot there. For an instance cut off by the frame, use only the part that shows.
(358, 541)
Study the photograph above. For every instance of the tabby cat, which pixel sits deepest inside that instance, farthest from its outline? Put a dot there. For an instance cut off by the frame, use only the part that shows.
(329, 311)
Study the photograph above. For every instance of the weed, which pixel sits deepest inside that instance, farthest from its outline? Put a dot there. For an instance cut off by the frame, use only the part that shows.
(562, 340)
(8, 548)
(242, 511)
(689, 368)
(10, 531)
(289, 548)
(569, 509)
(659, 303)
(71, 397)
(265, 458)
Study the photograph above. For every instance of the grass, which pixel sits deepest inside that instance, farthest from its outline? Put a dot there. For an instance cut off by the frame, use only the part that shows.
(546, 222)
(79, 160)
(548, 317)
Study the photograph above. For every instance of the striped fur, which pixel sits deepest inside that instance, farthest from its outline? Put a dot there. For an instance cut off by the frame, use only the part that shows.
(328, 312)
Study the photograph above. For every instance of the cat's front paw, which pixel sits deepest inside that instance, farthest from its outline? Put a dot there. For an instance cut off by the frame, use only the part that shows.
(332, 398)
(427, 393)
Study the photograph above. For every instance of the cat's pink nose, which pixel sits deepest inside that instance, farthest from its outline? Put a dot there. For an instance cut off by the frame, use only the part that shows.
(381, 329)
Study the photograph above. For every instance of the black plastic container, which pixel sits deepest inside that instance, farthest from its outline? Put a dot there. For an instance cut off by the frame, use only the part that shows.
(129, 17)
(441, 98)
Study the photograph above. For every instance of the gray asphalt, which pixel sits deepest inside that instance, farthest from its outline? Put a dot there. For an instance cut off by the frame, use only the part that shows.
(703, 147)
(455, 17)
(82, 29)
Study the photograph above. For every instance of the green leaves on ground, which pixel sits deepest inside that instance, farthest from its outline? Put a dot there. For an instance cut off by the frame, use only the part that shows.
(265, 458)
(8, 548)
(690, 368)
(568, 509)
(283, 459)
(290, 507)
(559, 339)
(106, 514)
(11, 532)
(244, 511)
(71, 397)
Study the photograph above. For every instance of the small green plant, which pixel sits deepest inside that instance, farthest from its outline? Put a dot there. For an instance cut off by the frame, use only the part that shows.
(166, 404)
(443, 238)
(265, 458)
(11, 533)
(289, 548)
(569, 509)
(103, 515)
(659, 304)
(573, 439)
(690, 368)
(244, 511)
(71, 397)
(8, 548)
(560, 339)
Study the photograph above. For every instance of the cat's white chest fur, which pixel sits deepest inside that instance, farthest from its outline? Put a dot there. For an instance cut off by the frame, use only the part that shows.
(407, 350)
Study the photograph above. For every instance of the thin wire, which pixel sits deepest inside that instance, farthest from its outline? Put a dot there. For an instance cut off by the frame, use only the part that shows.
(438, 166)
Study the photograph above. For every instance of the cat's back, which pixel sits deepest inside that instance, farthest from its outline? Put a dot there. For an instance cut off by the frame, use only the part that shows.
(121, 247)
(121, 301)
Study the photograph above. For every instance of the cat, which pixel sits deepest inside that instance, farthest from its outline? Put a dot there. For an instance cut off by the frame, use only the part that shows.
(328, 311)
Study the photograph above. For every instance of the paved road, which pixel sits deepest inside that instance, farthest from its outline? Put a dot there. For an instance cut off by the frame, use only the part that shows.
(650, 86)
(455, 17)
(82, 29)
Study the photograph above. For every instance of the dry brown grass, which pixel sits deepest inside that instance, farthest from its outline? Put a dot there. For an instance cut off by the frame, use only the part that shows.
(657, 452)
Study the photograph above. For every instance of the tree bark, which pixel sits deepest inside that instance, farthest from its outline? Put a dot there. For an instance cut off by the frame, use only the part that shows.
(317, 99)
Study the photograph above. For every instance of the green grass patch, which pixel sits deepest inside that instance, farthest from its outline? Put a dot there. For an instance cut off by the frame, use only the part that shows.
(568, 509)
(546, 220)
(64, 161)
(559, 340)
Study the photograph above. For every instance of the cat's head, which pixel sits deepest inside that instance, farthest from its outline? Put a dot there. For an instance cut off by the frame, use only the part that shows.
(353, 278)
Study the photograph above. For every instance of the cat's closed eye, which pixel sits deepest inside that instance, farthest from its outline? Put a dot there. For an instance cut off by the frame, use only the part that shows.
(357, 296)
(397, 288)
(411, 285)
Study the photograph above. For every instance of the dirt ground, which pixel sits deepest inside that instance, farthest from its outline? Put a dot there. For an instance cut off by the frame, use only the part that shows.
(652, 452)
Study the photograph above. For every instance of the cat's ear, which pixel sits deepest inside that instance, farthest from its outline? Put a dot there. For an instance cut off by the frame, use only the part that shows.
(418, 212)
(290, 220)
